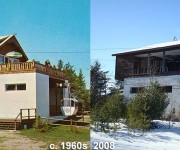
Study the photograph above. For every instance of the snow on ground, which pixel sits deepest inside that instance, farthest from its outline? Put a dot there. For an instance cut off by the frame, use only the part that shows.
(157, 139)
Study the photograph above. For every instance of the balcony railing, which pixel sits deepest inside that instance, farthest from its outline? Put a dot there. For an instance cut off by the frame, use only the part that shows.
(159, 73)
(23, 67)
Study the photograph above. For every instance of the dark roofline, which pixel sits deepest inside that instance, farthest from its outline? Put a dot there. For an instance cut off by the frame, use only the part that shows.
(149, 50)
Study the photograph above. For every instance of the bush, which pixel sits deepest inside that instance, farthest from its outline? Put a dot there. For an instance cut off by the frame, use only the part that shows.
(110, 110)
(42, 126)
(147, 105)
(75, 129)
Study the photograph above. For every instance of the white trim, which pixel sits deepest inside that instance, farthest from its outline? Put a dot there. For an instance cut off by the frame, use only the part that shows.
(160, 45)
(6, 39)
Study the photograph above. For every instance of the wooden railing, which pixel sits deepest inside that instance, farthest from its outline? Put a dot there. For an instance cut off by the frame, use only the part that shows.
(19, 115)
(25, 114)
(29, 67)
(64, 122)
(50, 71)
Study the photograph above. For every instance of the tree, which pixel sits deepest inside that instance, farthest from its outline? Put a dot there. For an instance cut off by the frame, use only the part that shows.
(116, 106)
(60, 65)
(147, 105)
(81, 91)
(118, 86)
(98, 84)
(156, 99)
(113, 109)
(78, 85)
(138, 117)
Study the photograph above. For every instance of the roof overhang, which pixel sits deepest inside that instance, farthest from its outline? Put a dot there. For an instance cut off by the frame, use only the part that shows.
(12, 39)
(169, 46)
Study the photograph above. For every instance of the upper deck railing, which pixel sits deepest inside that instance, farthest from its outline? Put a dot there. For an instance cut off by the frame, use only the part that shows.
(24, 67)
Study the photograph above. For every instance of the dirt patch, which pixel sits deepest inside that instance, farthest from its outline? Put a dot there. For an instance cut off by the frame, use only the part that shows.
(12, 140)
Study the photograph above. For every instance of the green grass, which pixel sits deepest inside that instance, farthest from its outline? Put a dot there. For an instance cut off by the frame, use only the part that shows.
(58, 134)
(2, 138)
(86, 118)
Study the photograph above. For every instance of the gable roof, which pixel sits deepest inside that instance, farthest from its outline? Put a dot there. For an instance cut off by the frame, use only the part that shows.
(3, 39)
(12, 39)
(154, 47)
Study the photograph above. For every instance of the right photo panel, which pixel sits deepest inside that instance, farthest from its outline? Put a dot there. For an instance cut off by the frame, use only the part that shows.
(135, 75)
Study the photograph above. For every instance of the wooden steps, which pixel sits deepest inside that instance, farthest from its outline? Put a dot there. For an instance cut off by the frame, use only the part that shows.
(23, 120)
(9, 125)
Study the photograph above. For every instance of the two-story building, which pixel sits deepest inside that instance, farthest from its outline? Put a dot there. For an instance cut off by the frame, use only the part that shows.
(161, 62)
(27, 85)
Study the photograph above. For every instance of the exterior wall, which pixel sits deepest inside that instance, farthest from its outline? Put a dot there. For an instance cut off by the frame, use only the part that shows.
(42, 94)
(37, 95)
(12, 101)
(124, 67)
(173, 81)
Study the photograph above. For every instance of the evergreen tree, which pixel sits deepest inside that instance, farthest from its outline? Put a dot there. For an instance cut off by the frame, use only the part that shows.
(138, 117)
(156, 100)
(98, 84)
(81, 91)
(117, 106)
(60, 65)
(78, 86)
(113, 109)
(147, 105)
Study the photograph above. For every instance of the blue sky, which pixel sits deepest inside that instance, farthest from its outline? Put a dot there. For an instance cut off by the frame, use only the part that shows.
(59, 28)
(118, 25)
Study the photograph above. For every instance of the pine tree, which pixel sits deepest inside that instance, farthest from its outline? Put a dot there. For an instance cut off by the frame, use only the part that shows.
(78, 85)
(98, 84)
(60, 65)
(116, 106)
(147, 105)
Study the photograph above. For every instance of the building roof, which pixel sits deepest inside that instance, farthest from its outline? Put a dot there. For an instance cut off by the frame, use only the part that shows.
(4, 38)
(12, 39)
(154, 47)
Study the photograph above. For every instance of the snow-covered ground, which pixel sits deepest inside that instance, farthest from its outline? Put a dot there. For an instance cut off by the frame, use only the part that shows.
(157, 139)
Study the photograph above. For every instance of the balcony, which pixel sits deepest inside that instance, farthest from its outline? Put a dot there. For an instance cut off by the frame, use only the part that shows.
(28, 67)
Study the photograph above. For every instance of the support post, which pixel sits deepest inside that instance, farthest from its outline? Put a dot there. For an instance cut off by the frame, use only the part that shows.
(71, 124)
(149, 64)
(28, 113)
(83, 114)
(163, 64)
(35, 113)
(15, 125)
(20, 115)
(56, 99)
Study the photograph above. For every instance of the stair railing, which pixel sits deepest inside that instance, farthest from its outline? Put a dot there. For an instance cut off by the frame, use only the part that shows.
(20, 114)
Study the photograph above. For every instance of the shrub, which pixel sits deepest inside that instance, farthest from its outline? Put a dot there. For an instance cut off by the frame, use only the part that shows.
(147, 105)
(40, 125)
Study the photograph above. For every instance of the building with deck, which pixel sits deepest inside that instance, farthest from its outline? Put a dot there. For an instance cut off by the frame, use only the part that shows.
(27, 87)
(160, 62)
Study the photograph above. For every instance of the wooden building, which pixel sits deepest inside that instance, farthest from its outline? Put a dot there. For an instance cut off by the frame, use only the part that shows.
(26, 87)
(160, 62)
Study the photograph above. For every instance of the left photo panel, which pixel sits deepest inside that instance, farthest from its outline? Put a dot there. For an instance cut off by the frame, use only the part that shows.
(45, 74)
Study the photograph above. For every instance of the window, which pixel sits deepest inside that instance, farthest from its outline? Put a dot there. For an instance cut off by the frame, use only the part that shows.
(13, 60)
(10, 87)
(21, 86)
(15, 87)
(6, 59)
(166, 89)
(16, 60)
(136, 89)
(1, 59)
